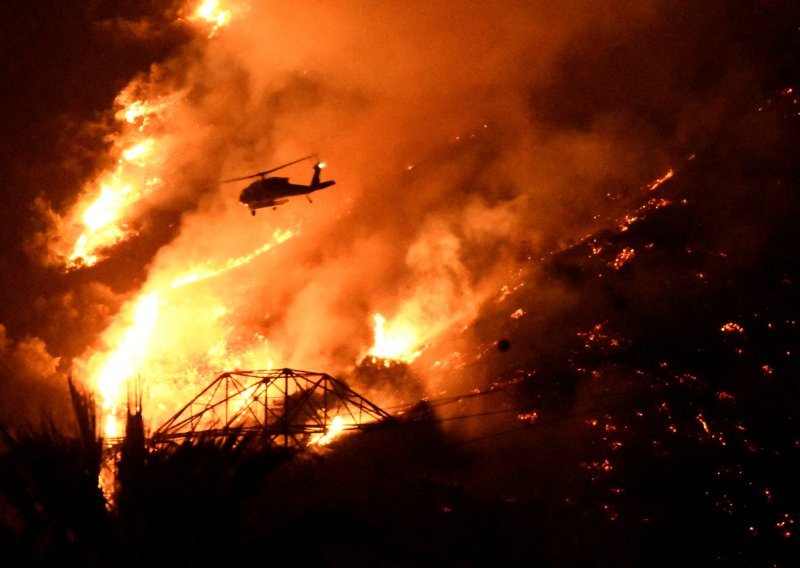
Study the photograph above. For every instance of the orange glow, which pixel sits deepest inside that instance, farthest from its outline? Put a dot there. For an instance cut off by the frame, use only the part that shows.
(654, 184)
(101, 216)
(333, 431)
(704, 424)
(122, 363)
(623, 258)
(204, 273)
(104, 210)
(732, 327)
(100, 222)
(211, 12)
(141, 113)
(398, 341)
(137, 152)
(179, 339)
(191, 318)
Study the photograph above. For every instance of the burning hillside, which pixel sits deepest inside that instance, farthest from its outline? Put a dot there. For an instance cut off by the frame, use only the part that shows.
(560, 245)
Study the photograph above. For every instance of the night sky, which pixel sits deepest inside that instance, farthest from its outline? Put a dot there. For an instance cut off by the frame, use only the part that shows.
(587, 213)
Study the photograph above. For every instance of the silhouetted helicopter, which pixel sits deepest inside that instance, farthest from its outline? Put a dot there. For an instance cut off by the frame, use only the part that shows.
(274, 191)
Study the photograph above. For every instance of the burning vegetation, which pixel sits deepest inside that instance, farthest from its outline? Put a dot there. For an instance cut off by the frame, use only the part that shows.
(554, 287)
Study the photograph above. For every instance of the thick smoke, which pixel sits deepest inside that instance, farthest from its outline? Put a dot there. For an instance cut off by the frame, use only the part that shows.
(464, 140)
(33, 390)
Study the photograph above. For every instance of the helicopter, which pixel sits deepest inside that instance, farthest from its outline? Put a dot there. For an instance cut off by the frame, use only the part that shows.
(274, 191)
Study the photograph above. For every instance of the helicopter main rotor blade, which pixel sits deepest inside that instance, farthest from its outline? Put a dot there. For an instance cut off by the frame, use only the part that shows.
(265, 172)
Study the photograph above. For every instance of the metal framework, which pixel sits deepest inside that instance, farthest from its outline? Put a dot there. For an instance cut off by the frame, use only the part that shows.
(285, 407)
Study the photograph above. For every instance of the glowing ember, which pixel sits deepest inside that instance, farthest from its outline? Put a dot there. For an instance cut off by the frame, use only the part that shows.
(600, 338)
(627, 221)
(655, 203)
(604, 466)
(623, 258)
(732, 327)
(703, 423)
(596, 248)
(654, 184)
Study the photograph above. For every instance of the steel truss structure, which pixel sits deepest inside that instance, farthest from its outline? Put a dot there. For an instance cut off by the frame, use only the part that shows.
(285, 407)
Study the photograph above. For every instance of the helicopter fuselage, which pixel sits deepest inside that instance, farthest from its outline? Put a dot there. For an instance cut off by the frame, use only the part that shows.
(274, 191)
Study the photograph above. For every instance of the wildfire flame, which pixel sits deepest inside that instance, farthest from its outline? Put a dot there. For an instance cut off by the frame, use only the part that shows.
(102, 213)
(122, 363)
(203, 273)
(335, 428)
(210, 12)
(179, 336)
(623, 258)
(652, 186)
(399, 341)
(156, 319)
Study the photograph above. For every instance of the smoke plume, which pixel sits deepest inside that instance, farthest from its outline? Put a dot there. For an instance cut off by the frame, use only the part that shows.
(464, 140)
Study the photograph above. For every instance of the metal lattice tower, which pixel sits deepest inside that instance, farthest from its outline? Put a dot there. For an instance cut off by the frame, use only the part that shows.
(286, 407)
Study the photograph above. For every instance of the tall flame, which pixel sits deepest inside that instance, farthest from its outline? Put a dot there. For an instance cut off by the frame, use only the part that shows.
(158, 320)
(399, 341)
(185, 323)
(123, 361)
(102, 213)
(102, 216)
(333, 430)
